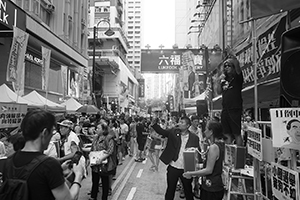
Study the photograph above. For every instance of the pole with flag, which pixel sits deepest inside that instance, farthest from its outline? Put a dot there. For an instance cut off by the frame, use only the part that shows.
(46, 56)
(15, 66)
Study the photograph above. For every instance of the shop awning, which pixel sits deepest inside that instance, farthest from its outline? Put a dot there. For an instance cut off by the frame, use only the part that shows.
(37, 100)
(192, 101)
(267, 94)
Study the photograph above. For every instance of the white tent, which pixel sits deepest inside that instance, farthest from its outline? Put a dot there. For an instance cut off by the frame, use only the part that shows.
(37, 100)
(192, 101)
(8, 96)
(71, 105)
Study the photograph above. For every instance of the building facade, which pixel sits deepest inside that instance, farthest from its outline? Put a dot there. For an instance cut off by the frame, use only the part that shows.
(61, 27)
(114, 82)
(186, 34)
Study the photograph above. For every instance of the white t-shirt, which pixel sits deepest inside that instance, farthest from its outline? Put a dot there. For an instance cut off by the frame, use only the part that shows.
(179, 162)
(124, 128)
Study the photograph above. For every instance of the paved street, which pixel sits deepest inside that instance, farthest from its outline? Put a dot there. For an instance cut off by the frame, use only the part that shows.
(134, 182)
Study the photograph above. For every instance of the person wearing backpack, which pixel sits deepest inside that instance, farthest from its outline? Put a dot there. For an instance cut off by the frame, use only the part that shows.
(28, 173)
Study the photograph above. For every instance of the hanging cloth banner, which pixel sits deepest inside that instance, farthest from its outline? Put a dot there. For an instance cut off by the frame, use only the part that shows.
(64, 79)
(46, 56)
(260, 9)
(15, 66)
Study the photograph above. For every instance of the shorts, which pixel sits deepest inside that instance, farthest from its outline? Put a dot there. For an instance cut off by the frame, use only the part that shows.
(141, 144)
(231, 122)
(206, 195)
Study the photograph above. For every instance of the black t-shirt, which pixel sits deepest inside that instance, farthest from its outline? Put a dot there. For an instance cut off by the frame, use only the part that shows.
(140, 128)
(47, 176)
(232, 93)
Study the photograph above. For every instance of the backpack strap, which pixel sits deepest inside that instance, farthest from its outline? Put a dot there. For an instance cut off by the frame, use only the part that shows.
(23, 172)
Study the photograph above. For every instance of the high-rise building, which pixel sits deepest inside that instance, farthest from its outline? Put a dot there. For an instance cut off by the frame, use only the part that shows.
(186, 33)
(158, 85)
(114, 81)
(134, 33)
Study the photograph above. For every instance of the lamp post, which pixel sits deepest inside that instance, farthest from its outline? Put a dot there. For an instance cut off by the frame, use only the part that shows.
(108, 32)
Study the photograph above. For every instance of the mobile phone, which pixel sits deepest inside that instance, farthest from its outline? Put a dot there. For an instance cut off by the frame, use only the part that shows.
(76, 158)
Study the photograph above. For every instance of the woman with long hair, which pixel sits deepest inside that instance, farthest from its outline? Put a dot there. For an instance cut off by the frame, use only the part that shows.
(103, 141)
(212, 184)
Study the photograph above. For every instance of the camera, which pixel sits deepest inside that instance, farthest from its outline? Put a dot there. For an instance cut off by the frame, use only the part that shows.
(75, 159)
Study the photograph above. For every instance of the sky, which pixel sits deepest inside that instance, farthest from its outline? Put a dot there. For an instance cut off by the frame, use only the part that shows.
(159, 23)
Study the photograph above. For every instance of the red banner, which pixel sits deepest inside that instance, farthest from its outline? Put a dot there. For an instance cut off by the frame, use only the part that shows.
(265, 8)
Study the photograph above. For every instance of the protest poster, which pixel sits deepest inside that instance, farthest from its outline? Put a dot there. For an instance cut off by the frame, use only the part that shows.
(254, 142)
(11, 114)
(285, 123)
(285, 182)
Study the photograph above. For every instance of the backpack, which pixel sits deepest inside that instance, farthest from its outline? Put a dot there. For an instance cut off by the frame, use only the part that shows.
(15, 179)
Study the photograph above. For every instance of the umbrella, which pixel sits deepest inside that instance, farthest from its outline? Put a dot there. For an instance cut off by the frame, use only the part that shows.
(90, 109)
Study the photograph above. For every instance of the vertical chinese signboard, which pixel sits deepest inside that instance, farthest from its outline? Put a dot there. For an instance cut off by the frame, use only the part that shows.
(285, 182)
(141, 88)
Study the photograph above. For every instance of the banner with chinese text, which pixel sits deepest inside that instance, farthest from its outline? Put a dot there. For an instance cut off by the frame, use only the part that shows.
(11, 114)
(141, 88)
(16, 59)
(46, 56)
(285, 182)
(254, 142)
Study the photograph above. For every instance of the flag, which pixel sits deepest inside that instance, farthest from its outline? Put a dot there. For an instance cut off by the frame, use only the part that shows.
(263, 8)
(20, 84)
(46, 56)
(15, 65)
(64, 79)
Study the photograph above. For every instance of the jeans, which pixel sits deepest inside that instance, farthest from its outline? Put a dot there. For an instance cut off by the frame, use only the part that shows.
(173, 174)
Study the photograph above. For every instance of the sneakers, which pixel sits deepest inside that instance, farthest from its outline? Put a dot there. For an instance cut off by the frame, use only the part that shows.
(139, 159)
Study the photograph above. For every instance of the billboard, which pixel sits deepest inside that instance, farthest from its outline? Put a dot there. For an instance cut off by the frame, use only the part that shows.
(171, 60)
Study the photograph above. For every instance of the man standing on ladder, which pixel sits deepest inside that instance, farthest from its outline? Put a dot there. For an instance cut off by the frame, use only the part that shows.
(229, 84)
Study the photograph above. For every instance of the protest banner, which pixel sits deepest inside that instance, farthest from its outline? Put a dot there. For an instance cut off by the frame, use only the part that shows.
(254, 142)
(285, 123)
(285, 182)
(11, 114)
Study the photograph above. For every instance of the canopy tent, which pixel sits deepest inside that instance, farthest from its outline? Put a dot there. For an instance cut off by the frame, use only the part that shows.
(192, 101)
(37, 100)
(71, 105)
(8, 96)
(191, 110)
(267, 94)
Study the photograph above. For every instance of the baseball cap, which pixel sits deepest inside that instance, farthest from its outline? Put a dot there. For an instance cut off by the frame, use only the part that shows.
(66, 123)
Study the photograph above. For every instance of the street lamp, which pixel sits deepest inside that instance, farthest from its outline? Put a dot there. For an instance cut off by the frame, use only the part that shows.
(108, 32)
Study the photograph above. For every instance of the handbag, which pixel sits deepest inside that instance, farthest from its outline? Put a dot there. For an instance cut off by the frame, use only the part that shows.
(95, 156)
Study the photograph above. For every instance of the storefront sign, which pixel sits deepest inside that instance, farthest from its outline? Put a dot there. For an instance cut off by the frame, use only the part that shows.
(11, 114)
(254, 142)
(268, 55)
(285, 182)
(11, 15)
(285, 123)
(33, 59)
(141, 88)
(170, 60)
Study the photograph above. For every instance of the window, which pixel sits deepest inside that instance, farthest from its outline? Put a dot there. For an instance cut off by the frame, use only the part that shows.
(130, 22)
(137, 57)
(130, 32)
(136, 62)
(137, 42)
(137, 32)
(130, 62)
(137, 37)
(138, 17)
(130, 27)
(137, 27)
(137, 11)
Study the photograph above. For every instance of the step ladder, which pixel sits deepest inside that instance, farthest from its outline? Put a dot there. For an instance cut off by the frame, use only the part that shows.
(241, 184)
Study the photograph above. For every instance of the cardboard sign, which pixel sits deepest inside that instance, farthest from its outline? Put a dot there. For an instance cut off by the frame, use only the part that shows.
(11, 114)
(285, 182)
(254, 143)
(286, 127)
